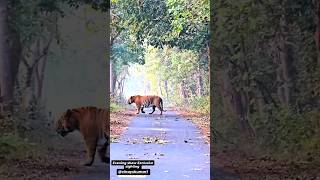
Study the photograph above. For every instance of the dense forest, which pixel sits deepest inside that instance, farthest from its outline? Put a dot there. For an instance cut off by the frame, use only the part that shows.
(262, 57)
(169, 40)
(266, 75)
(264, 69)
(43, 48)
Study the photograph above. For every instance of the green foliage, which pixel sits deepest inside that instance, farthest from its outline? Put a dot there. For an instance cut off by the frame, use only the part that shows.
(200, 104)
(189, 21)
(122, 55)
(32, 20)
(38, 37)
(284, 130)
(115, 107)
(171, 72)
(11, 144)
(170, 37)
(102, 5)
(251, 41)
(176, 23)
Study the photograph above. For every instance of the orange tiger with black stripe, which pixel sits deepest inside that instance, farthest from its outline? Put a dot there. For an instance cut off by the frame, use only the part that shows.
(145, 102)
(92, 123)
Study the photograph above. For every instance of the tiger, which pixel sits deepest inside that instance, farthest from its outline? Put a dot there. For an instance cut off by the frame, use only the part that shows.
(145, 102)
(92, 123)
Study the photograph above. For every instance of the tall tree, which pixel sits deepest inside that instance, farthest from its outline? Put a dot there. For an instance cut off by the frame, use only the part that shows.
(7, 83)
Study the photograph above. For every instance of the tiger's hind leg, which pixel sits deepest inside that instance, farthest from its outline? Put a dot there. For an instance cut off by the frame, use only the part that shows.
(160, 106)
(142, 110)
(102, 152)
(91, 144)
(153, 109)
(161, 109)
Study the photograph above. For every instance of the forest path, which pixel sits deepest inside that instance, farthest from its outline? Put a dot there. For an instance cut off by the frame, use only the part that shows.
(175, 144)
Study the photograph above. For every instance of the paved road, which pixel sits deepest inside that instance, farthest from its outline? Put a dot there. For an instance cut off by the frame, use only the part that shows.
(176, 146)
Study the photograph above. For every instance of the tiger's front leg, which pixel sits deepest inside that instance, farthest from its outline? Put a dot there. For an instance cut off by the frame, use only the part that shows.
(91, 144)
(142, 110)
(138, 108)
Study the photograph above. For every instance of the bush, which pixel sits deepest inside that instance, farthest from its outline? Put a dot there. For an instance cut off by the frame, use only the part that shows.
(200, 104)
(11, 144)
(115, 107)
(286, 130)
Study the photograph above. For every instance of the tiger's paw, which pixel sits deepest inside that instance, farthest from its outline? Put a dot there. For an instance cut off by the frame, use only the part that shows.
(105, 160)
(86, 164)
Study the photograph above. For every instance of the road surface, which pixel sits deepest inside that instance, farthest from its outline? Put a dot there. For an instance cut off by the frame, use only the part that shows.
(175, 144)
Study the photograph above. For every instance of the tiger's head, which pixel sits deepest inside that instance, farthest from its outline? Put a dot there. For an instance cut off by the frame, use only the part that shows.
(66, 123)
(131, 99)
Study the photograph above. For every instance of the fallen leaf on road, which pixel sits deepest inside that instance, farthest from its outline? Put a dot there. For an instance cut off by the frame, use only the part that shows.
(147, 140)
(129, 154)
(114, 140)
(197, 169)
(162, 142)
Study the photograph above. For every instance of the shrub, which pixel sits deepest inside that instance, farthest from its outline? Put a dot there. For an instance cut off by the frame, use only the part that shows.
(11, 144)
(200, 104)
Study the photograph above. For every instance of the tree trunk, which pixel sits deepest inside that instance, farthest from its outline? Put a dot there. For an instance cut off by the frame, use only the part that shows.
(27, 90)
(122, 86)
(35, 73)
(240, 103)
(41, 65)
(235, 103)
(317, 32)
(260, 103)
(199, 83)
(113, 79)
(284, 71)
(183, 93)
(1, 103)
(7, 81)
(160, 88)
(166, 89)
(210, 62)
(226, 93)
(40, 69)
(15, 54)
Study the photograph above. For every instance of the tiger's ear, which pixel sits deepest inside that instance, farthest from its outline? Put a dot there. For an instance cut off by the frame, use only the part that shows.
(68, 113)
